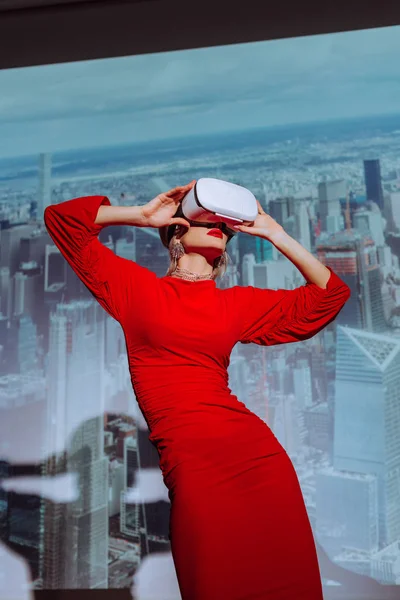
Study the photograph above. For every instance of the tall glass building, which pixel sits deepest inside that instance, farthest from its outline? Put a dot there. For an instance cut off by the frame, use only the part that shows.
(367, 418)
(373, 181)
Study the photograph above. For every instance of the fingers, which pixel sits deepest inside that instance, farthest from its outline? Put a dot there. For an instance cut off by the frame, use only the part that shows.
(245, 229)
(181, 189)
(179, 221)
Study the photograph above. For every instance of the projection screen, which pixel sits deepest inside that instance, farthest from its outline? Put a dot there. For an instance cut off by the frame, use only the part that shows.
(311, 125)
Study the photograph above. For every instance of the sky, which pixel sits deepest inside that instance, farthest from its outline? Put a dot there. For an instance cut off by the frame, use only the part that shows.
(172, 94)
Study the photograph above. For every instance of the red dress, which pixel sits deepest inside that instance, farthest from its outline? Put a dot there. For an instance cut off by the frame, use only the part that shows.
(239, 529)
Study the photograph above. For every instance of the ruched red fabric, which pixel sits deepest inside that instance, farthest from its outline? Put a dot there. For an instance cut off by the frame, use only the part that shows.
(239, 529)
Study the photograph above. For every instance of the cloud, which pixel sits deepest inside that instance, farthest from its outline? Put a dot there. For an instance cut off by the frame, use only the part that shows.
(149, 487)
(156, 579)
(198, 78)
(60, 488)
(324, 74)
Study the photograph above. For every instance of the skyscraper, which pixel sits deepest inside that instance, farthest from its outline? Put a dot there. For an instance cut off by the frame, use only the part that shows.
(347, 510)
(370, 223)
(279, 210)
(373, 181)
(367, 404)
(330, 194)
(44, 191)
(353, 256)
(75, 549)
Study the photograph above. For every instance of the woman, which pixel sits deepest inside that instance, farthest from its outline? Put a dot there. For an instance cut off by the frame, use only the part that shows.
(238, 526)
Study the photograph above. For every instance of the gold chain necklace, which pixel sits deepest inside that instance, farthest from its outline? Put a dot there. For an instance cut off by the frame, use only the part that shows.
(189, 275)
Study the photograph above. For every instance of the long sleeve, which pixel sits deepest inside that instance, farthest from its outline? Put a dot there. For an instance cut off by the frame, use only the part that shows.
(270, 317)
(111, 279)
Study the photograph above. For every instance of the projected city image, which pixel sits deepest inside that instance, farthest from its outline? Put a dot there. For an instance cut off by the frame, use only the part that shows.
(312, 127)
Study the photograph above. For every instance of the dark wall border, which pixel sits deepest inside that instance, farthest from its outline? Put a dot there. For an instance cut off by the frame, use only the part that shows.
(391, 593)
(82, 31)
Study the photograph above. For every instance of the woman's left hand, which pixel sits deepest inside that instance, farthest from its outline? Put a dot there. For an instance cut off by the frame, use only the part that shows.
(263, 226)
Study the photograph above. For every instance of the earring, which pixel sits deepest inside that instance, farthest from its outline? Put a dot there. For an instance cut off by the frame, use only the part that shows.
(177, 251)
(222, 260)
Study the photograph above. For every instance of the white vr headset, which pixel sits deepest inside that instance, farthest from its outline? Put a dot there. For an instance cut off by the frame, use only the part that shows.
(214, 200)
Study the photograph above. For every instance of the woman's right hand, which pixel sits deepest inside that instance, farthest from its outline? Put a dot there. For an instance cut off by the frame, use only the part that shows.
(160, 211)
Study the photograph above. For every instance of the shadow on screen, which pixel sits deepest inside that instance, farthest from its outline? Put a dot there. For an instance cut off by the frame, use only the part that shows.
(347, 584)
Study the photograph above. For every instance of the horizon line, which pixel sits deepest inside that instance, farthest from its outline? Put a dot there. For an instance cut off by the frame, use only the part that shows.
(209, 134)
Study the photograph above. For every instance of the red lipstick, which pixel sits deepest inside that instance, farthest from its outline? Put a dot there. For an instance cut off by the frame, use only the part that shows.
(216, 232)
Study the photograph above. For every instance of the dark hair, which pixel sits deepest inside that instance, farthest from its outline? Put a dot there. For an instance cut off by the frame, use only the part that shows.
(167, 231)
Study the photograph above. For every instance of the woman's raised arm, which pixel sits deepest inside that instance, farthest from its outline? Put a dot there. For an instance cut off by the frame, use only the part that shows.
(74, 226)
(270, 317)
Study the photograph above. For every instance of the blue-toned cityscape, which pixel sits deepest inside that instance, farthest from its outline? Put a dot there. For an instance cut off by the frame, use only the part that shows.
(66, 400)
(332, 401)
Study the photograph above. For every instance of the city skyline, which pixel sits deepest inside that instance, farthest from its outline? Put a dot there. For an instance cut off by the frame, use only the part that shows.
(298, 404)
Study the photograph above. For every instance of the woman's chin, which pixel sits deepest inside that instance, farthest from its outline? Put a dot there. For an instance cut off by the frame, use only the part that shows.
(215, 242)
